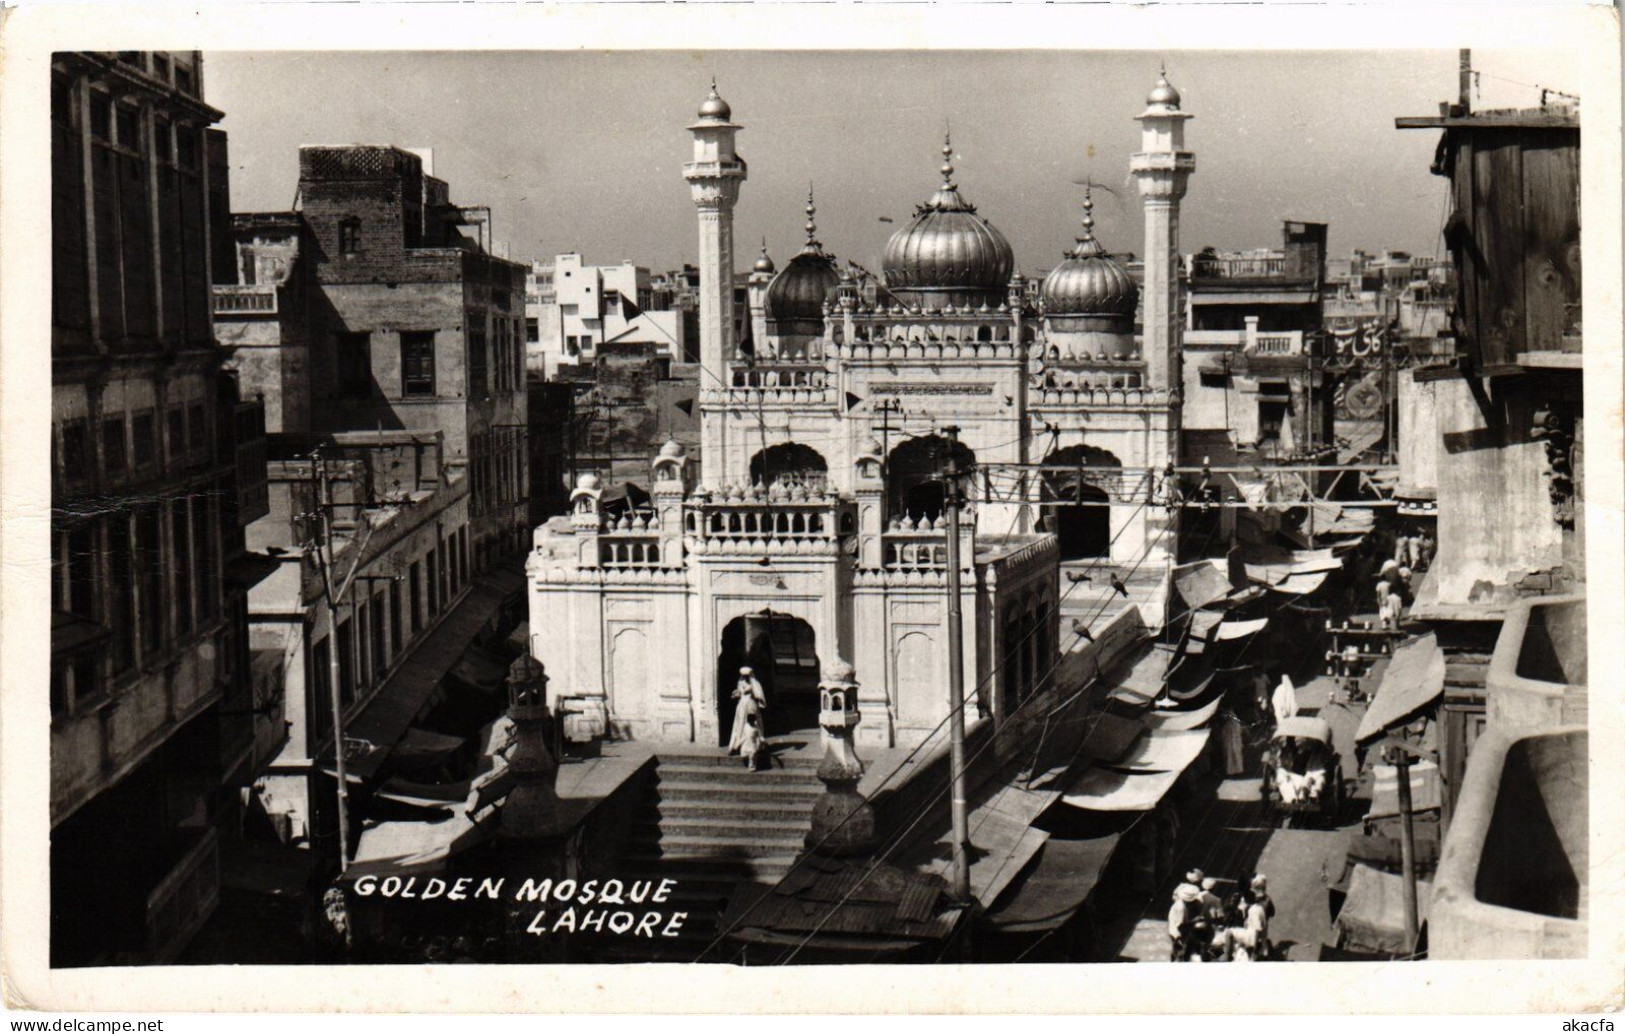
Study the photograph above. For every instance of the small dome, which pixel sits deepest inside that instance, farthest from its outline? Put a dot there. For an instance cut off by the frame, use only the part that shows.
(947, 253)
(764, 264)
(795, 298)
(840, 670)
(673, 449)
(714, 108)
(589, 481)
(1163, 95)
(1089, 282)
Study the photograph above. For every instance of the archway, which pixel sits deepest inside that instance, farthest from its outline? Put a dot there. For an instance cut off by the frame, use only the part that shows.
(914, 486)
(1076, 509)
(790, 464)
(783, 653)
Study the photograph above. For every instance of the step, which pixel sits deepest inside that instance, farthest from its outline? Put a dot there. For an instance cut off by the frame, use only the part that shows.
(788, 759)
(735, 842)
(743, 811)
(725, 829)
(705, 863)
(673, 783)
(734, 768)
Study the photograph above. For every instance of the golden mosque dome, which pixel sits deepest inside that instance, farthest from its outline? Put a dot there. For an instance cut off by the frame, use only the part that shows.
(947, 253)
(797, 294)
(1089, 282)
(714, 108)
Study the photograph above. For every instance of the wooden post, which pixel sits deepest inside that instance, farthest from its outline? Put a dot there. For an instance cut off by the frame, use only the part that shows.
(956, 679)
(1401, 760)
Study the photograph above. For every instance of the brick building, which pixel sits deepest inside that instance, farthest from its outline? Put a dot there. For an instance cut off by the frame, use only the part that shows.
(157, 465)
(371, 308)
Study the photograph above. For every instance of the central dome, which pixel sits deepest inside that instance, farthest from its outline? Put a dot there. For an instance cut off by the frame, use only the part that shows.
(947, 254)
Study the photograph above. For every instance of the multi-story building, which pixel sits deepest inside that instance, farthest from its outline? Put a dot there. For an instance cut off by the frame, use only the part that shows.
(1252, 377)
(1493, 447)
(157, 465)
(579, 307)
(369, 308)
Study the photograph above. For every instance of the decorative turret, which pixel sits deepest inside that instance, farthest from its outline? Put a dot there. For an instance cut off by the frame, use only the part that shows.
(531, 809)
(797, 296)
(843, 823)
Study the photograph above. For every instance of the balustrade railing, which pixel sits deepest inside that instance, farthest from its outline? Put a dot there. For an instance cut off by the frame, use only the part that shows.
(780, 375)
(630, 550)
(1239, 266)
(245, 299)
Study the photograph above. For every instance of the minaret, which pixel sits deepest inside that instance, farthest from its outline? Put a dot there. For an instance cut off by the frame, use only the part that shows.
(714, 177)
(1162, 166)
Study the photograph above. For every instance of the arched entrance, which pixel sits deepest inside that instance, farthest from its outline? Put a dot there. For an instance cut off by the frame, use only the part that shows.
(783, 652)
(914, 486)
(789, 464)
(1076, 509)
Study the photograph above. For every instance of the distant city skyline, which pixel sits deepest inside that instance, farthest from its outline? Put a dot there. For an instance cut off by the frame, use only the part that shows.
(582, 151)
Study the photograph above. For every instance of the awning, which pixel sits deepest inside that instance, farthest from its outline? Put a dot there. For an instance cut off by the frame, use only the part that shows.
(479, 671)
(420, 748)
(400, 847)
(408, 691)
(1239, 629)
(1180, 719)
(1065, 875)
(1164, 750)
(1110, 736)
(1144, 676)
(1102, 789)
(1426, 790)
(1203, 582)
(1203, 622)
(1413, 680)
(1300, 584)
(1373, 915)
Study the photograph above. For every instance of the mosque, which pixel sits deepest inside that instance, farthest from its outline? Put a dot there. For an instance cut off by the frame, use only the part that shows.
(809, 538)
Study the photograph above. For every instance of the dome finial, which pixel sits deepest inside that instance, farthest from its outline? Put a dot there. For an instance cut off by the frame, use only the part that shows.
(947, 156)
(1088, 247)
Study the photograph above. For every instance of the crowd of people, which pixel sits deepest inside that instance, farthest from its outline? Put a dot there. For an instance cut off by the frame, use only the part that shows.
(1203, 927)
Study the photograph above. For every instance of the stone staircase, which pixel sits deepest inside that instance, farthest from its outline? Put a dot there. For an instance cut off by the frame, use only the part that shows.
(711, 824)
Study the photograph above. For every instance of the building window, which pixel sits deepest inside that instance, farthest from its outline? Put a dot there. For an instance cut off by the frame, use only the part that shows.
(183, 79)
(143, 436)
(101, 116)
(160, 67)
(415, 584)
(477, 360)
(114, 453)
(379, 659)
(346, 661)
(397, 631)
(186, 148)
(149, 561)
(176, 419)
(180, 528)
(321, 666)
(417, 362)
(129, 128)
(350, 236)
(533, 329)
(121, 581)
(1213, 380)
(75, 455)
(363, 616)
(196, 427)
(434, 582)
(355, 364)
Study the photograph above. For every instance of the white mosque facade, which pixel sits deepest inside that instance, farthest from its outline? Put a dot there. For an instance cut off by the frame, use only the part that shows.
(812, 538)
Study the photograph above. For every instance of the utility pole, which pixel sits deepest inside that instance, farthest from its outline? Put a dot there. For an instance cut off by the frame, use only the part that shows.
(1400, 757)
(324, 561)
(956, 677)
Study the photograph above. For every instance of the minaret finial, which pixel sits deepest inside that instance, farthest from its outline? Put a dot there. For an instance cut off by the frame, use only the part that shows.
(812, 210)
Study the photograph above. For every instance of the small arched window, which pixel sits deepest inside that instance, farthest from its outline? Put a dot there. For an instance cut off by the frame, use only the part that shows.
(350, 235)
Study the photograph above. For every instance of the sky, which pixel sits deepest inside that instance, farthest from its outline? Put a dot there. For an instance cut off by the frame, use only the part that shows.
(583, 151)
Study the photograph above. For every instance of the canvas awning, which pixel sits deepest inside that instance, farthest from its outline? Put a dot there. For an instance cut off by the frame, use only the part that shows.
(421, 748)
(1239, 629)
(398, 848)
(1414, 679)
(1109, 736)
(408, 691)
(1164, 750)
(1202, 583)
(1104, 789)
(1300, 584)
(1160, 718)
(1426, 789)
(1064, 876)
(1373, 915)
